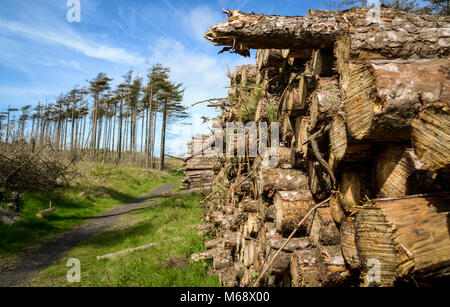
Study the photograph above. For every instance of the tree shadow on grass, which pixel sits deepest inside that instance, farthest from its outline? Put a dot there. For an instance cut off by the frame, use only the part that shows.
(112, 238)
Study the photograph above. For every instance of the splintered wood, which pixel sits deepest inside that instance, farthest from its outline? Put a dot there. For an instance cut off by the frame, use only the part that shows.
(360, 193)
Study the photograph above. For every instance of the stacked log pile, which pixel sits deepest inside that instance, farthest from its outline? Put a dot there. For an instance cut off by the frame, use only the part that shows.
(364, 114)
(199, 170)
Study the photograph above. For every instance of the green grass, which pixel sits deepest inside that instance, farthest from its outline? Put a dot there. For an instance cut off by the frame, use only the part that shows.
(98, 188)
(170, 225)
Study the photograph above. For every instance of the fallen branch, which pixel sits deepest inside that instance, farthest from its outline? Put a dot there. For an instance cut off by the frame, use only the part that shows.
(287, 240)
(178, 158)
(126, 251)
(209, 100)
(44, 212)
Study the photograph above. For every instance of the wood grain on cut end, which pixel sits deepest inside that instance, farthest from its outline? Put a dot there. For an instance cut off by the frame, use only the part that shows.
(409, 236)
(431, 136)
(291, 207)
(384, 96)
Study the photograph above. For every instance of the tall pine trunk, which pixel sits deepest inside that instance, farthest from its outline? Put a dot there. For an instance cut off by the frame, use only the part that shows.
(163, 136)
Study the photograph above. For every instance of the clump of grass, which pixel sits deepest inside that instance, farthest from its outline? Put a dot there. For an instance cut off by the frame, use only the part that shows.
(170, 225)
(272, 112)
(249, 99)
(99, 187)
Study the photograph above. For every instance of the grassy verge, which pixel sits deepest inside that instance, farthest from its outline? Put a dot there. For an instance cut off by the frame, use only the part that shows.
(170, 225)
(98, 188)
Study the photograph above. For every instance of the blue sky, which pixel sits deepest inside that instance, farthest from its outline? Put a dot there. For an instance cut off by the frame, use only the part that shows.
(43, 55)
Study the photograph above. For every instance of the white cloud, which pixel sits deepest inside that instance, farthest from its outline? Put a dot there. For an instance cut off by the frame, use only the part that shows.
(74, 41)
(199, 20)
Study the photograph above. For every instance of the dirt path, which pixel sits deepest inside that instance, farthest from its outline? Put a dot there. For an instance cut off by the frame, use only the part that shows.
(32, 263)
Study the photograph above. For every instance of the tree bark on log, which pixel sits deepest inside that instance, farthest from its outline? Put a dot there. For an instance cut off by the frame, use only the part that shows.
(384, 96)
(397, 35)
(431, 136)
(271, 180)
(412, 238)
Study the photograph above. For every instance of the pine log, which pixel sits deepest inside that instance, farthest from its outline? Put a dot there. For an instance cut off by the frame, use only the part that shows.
(336, 210)
(297, 53)
(332, 268)
(348, 246)
(222, 259)
(266, 58)
(431, 136)
(291, 207)
(284, 157)
(229, 240)
(384, 96)
(244, 186)
(280, 265)
(287, 132)
(297, 160)
(296, 94)
(321, 228)
(398, 172)
(304, 268)
(271, 180)
(398, 34)
(249, 253)
(343, 147)
(315, 179)
(229, 276)
(204, 255)
(408, 236)
(213, 243)
(276, 241)
(295, 102)
(301, 135)
(200, 163)
(248, 74)
(253, 224)
(325, 102)
(248, 205)
(351, 190)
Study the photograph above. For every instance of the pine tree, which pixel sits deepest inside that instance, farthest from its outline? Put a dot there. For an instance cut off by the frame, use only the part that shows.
(98, 86)
(171, 95)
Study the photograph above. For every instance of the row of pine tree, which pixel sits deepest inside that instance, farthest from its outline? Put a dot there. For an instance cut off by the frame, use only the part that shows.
(113, 125)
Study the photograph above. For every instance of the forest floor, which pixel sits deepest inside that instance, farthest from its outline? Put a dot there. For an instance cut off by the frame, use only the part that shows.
(92, 204)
